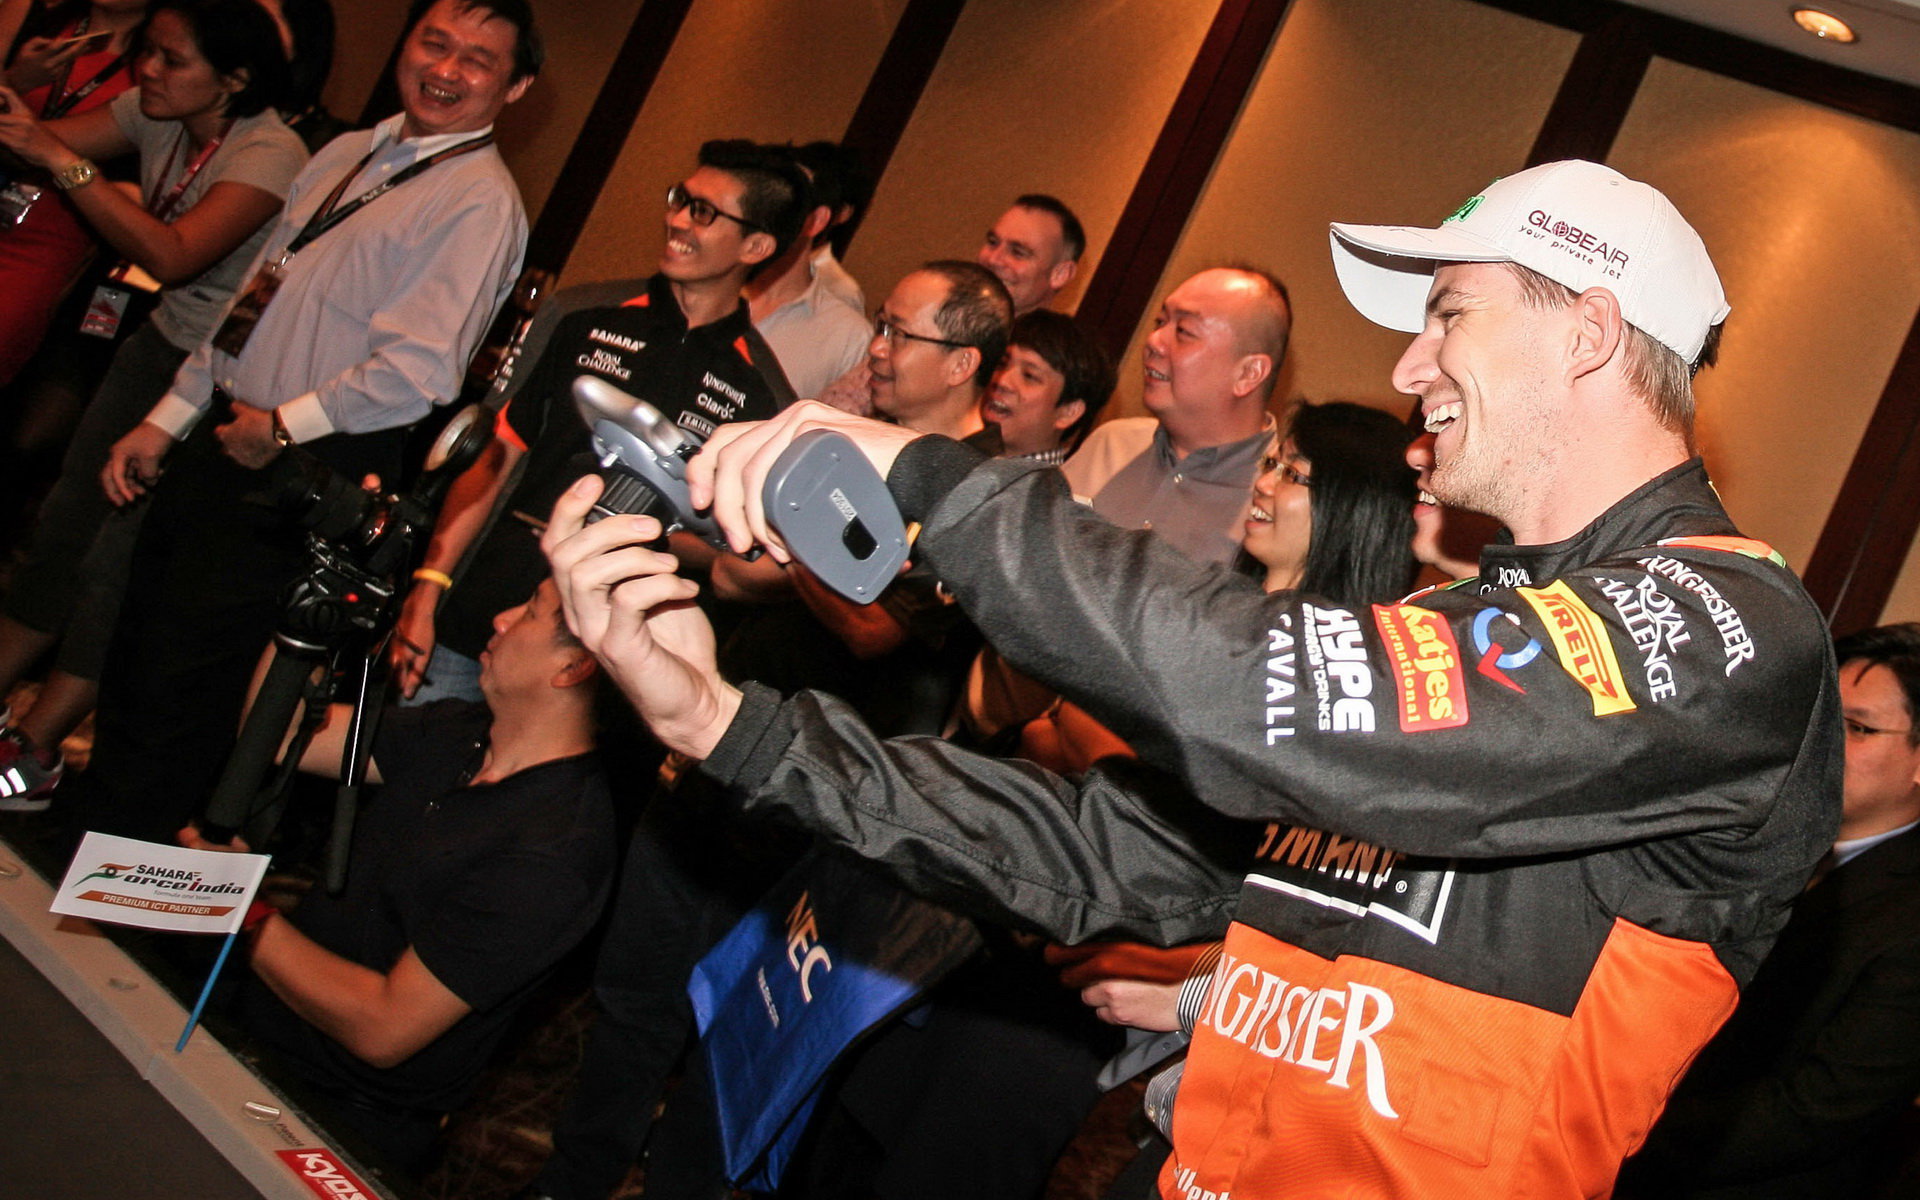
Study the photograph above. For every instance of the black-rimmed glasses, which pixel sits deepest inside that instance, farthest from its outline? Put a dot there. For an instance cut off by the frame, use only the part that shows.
(884, 326)
(702, 212)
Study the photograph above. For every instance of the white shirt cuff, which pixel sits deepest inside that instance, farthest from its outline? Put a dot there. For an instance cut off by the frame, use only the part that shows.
(304, 419)
(176, 414)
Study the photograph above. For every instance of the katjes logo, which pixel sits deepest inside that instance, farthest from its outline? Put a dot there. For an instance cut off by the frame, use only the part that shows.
(1426, 664)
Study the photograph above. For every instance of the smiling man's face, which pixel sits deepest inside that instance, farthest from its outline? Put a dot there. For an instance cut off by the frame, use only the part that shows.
(455, 72)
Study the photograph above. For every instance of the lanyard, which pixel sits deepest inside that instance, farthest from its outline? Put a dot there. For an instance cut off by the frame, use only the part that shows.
(331, 212)
(60, 101)
(162, 207)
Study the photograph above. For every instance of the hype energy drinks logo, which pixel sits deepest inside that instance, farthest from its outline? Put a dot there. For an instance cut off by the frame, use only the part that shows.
(129, 882)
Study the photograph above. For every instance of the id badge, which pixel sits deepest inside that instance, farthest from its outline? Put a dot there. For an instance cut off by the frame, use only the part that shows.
(233, 333)
(106, 310)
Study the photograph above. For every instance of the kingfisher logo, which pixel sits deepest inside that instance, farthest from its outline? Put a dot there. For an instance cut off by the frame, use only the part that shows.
(1325, 1030)
(324, 1175)
(1491, 659)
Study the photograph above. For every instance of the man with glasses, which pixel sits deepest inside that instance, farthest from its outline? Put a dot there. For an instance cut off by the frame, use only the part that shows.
(938, 340)
(1798, 1094)
(682, 340)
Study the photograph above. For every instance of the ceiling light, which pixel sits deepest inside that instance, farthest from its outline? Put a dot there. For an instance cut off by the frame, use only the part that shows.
(1825, 26)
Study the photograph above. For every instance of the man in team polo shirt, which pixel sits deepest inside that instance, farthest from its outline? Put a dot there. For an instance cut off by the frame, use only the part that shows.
(682, 340)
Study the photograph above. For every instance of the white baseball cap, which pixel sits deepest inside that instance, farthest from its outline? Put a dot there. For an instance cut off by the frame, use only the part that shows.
(1578, 223)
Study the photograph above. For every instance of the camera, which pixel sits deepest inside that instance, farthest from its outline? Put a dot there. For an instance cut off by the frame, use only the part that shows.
(360, 541)
(822, 496)
(643, 459)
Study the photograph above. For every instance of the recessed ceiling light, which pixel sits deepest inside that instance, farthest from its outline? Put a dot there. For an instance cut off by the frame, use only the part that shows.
(1825, 26)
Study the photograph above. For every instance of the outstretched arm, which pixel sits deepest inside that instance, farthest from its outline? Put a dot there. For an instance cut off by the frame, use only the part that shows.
(624, 603)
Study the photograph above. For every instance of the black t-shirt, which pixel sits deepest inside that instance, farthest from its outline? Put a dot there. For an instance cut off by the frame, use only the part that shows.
(699, 378)
(490, 884)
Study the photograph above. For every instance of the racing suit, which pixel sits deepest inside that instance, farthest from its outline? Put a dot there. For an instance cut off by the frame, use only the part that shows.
(1520, 841)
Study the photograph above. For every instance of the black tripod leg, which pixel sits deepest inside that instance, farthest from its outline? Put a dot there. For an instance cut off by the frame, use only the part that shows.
(369, 702)
(231, 805)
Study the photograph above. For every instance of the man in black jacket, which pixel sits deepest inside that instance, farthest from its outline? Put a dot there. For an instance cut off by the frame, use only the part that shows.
(1796, 1094)
(1524, 839)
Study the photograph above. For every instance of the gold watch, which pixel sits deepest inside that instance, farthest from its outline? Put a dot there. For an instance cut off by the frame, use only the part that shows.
(73, 175)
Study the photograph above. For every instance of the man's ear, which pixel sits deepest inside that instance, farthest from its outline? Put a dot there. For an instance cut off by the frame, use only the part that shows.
(1062, 273)
(817, 222)
(1067, 412)
(962, 366)
(579, 669)
(1250, 372)
(518, 89)
(1596, 333)
(757, 248)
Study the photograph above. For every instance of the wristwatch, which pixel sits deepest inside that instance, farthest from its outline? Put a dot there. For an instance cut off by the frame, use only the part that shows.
(280, 433)
(74, 175)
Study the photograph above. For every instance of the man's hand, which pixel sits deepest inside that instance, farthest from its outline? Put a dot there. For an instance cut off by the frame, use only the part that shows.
(413, 637)
(248, 438)
(624, 603)
(732, 467)
(189, 835)
(1136, 1003)
(133, 465)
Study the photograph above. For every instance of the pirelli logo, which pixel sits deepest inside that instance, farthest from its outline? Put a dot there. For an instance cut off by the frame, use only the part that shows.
(1426, 663)
(1579, 637)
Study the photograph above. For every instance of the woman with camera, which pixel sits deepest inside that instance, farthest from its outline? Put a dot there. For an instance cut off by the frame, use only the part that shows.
(215, 165)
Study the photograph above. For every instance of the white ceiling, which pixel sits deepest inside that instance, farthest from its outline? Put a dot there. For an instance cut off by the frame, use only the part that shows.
(1889, 30)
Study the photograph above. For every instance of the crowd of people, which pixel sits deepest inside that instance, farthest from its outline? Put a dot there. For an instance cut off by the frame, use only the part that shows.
(1388, 895)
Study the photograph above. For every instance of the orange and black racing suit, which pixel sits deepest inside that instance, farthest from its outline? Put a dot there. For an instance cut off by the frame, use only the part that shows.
(1518, 843)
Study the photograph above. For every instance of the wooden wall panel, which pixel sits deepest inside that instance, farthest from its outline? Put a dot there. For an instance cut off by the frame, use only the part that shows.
(1350, 120)
(771, 70)
(1060, 98)
(1810, 216)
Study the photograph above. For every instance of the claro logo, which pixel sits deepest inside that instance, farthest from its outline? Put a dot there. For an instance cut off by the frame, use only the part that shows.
(1325, 1030)
(322, 1173)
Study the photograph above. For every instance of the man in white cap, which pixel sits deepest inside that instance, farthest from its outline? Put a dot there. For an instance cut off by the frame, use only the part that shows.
(1516, 846)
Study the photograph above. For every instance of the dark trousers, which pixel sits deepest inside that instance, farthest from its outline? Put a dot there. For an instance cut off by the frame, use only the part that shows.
(975, 1096)
(685, 882)
(204, 596)
(73, 569)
